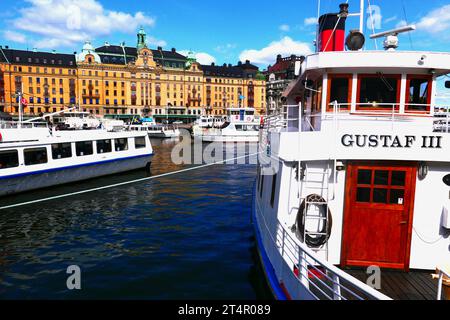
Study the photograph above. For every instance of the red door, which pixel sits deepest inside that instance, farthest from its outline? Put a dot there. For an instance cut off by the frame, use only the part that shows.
(378, 215)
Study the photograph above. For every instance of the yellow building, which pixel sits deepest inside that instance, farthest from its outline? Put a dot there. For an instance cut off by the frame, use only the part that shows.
(122, 81)
(47, 81)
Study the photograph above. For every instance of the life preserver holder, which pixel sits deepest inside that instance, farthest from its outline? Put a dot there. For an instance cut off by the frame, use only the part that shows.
(314, 241)
(261, 123)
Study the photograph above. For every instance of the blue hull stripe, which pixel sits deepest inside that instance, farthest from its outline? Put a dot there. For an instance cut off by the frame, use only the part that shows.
(265, 261)
(73, 167)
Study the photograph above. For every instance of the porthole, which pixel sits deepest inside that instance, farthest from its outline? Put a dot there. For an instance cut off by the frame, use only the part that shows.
(447, 180)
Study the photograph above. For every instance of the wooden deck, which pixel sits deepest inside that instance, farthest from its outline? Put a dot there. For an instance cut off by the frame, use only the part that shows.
(398, 285)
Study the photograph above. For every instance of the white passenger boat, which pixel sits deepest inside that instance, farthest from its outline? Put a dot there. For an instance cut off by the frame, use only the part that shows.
(34, 156)
(161, 131)
(239, 126)
(352, 195)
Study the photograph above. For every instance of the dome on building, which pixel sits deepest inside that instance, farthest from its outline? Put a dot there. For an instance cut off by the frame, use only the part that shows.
(88, 49)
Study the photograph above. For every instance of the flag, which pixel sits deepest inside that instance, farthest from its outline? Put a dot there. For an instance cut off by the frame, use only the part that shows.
(24, 102)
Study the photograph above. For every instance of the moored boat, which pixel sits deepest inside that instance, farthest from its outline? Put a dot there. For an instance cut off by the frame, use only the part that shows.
(240, 125)
(352, 196)
(33, 155)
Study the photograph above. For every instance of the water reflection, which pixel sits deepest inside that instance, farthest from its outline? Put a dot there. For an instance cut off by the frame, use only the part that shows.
(186, 236)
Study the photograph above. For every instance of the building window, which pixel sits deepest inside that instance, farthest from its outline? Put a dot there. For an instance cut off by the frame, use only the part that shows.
(35, 156)
(418, 95)
(274, 184)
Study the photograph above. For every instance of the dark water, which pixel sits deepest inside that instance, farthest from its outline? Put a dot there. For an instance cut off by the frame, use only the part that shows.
(187, 236)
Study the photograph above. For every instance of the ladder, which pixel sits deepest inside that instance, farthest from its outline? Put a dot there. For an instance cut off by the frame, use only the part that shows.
(315, 189)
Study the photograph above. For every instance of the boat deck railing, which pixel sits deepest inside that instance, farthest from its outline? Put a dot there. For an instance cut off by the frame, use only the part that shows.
(293, 118)
(442, 274)
(22, 125)
(322, 279)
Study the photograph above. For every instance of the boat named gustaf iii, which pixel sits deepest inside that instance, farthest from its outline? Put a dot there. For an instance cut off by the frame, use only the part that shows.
(356, 173)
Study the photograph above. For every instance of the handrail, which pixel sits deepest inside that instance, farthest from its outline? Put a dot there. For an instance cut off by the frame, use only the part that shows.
(441, 275)
(22, 125)
(304, 258)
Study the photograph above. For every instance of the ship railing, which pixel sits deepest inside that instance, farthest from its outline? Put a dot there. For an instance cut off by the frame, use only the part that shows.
(441, 275)
(322, 279)
(22, 125)
(439, 122)
(288, 117)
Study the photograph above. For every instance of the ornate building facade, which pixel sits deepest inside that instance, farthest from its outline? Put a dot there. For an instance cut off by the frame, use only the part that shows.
(122, 81)
(278, 78)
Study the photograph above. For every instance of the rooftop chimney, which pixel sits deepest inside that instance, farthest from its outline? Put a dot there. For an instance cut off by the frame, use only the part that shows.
(174, 50)
(279, 58)
(160, 48)
(213, 64)
(247, 61)
(106, 44)
(6, 47)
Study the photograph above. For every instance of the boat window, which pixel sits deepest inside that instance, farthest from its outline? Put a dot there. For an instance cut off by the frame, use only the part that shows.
(121, 144)
(378, 91)
(61, 150)
(84, 148)
(340, 90)
(104, 146)
(140, 143)
(274, 184)
(35, 156)
(418, 95)
(9, 159)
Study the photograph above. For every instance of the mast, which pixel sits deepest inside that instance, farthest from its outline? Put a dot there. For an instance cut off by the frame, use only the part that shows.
(361, 17)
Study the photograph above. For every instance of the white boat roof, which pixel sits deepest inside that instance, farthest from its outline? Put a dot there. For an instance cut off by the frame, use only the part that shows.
(388, 61)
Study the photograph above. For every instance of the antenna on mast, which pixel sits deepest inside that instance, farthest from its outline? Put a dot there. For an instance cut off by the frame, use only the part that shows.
(391, 41)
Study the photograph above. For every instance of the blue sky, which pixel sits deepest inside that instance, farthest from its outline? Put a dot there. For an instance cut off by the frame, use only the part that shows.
(219, 31)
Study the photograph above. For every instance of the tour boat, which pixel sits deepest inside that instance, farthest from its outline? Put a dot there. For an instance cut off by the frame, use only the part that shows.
(240, 125)
(351, 200)
(162, 131)
(33, 155)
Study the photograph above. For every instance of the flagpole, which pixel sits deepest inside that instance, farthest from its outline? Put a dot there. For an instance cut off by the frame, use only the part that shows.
(20, 105)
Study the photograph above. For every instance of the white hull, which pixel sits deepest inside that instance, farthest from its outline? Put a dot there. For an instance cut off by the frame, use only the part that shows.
(230, 138)
(53, 178)
(164, 135)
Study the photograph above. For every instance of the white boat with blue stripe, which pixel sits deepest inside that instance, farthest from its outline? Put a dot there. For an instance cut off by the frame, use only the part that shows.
(34, 156)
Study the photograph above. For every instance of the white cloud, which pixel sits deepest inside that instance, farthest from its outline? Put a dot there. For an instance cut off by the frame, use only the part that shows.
(284, 28)
(15, 36)
(152, 41)
(59, 23)
(436, 21)
(310, 21)
(286, 46)
(202, 57)
(225, 48)
(390, 19)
